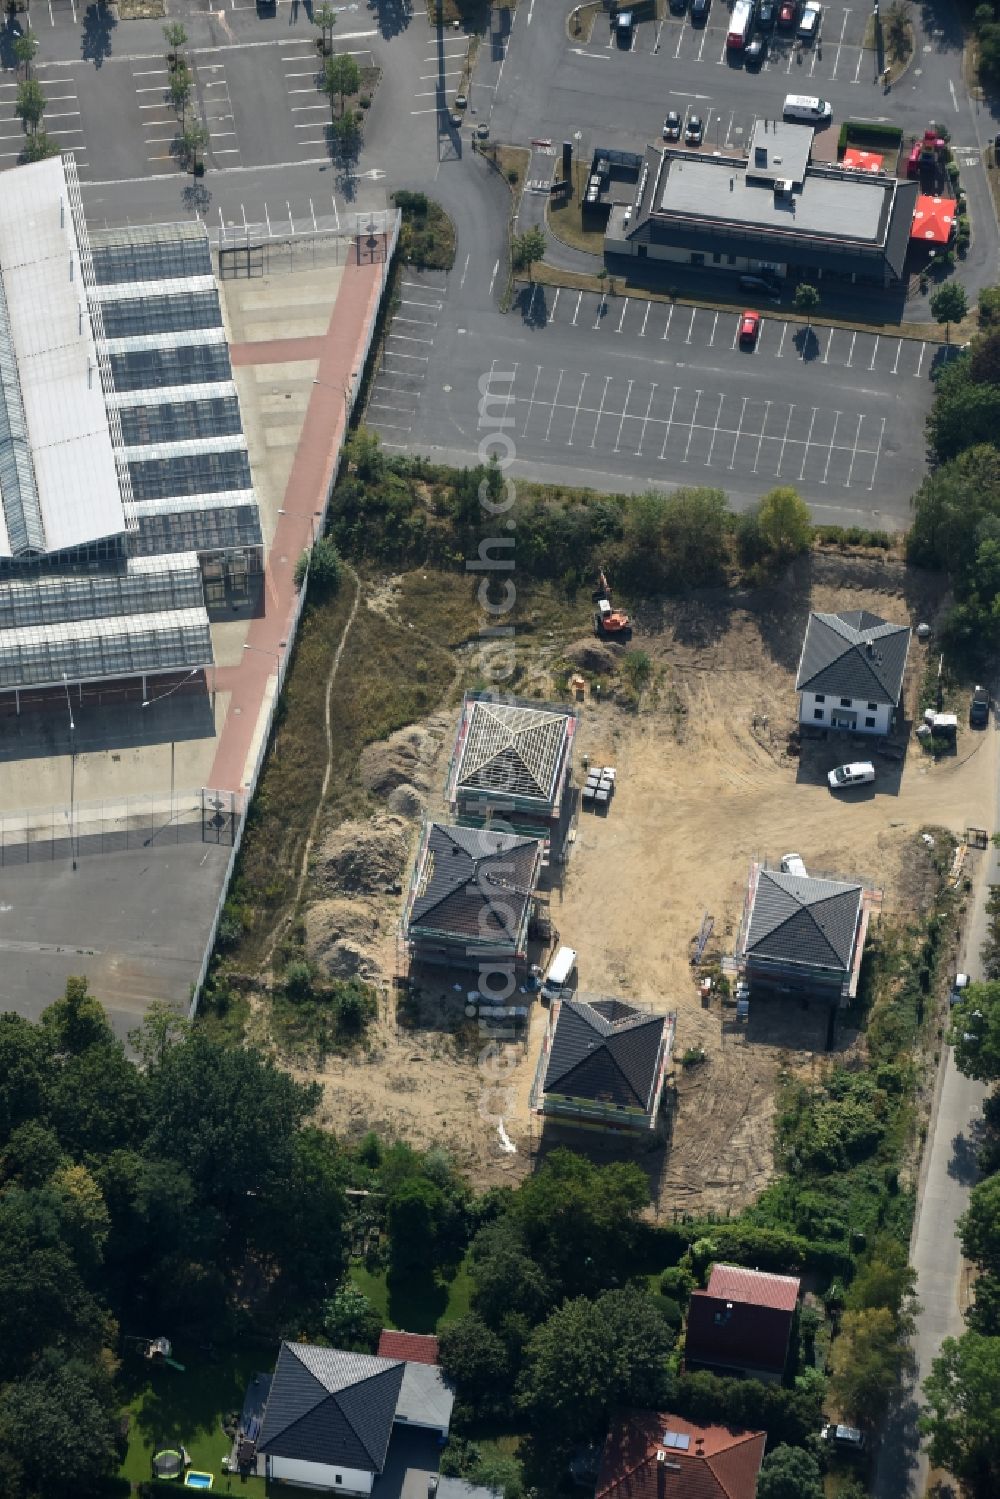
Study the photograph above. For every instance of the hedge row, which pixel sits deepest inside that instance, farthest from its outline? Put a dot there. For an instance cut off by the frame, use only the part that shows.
(765, 1248)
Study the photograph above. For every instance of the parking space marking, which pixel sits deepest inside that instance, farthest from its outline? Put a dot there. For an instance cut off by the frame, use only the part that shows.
(920, 361)
(621, 424)
(850, 357)
(694, 314)
(670, 419)
(836, 61)
(531, 403)
(854, 454)
(531, 303)
(857, 71)
(670, 314)
(784, 439)
(600, 309)
(645, 420)
(621, 320)
(878, 453)
(781, 343)
(555, 300)
(809, 434)
(715, 324)
(577, 312)
(715, 433)
(739, 431)
(874, 352)
(833, 439)
(576, 411)
(604, 396)
(895, 365)
(642, 330)
(760, 436)
(694, 418)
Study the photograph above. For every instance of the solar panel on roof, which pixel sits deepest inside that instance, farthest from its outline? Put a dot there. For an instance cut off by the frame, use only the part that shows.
(678, 1439)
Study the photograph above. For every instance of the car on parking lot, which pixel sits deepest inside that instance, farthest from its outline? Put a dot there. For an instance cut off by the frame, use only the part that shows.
(749, 329)
(807, 108)
(461, 101)
(755, 51)
(672, 126)
(788, 14)
(624, 28)
(959, 984)
(699, 11)
(979, 708)
(694, 130)
(848, 1438)
(678, 7)
(759, 283)
(859, 773)
(809, 22)
(483, 131)
(765, 14)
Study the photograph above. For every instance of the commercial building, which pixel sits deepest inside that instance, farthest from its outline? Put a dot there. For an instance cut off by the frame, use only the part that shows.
(773, 211)
(126, 499)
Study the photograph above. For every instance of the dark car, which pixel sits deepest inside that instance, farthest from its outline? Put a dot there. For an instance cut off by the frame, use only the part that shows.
(979, 708)
(788, 14)
(755, 51)
(759, 283)
(765, 15)
(700, 10)
(678, 7)
(694, 130)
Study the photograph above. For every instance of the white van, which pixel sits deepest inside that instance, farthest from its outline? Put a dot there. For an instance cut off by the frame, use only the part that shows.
(803, 107)
(558, 974)
(794, 864)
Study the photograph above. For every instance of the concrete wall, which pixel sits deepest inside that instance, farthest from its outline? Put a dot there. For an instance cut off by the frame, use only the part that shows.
(856, 714)
(320, 1476)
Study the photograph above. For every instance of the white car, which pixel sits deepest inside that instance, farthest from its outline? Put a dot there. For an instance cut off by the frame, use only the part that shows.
(959, 985)
(794, 864)
(808, 28)
(860, 773)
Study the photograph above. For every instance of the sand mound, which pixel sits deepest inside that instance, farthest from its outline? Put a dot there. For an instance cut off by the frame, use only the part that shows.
(364, 858)
(338, 934)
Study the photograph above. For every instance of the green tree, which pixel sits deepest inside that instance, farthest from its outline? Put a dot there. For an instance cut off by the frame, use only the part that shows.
(304, 1232)
(350, 1321)
(98, 1100)
(58, 1426)
(885, 1278)
(591, 1357)
(416, 1216)
(161, 1028)
(785, 523)
(325, 17)
(500, 1472)
(181, 84)
(975, 1032)
(25, 48)
(25, 1072)
(325, 570)
(32, 1155)
(194, 139)
(984, 359)
(962, 1393)
(341, 77)
(867, 1362)
(505, 1277)
(790, 1473)
(77, 1021)
(527, 248)
(979, 1226)
(475, 1358)
(989, 307)
(176, 38)
(347, 132)
(39, 146)
(675, 540)
(949, 305)
(806, 301)
(581, 1221)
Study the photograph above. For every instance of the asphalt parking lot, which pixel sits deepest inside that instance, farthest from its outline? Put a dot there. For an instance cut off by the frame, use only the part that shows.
(624, 392)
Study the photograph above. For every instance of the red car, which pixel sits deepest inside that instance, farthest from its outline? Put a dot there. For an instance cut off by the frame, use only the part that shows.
(788, 14)
(749, 329)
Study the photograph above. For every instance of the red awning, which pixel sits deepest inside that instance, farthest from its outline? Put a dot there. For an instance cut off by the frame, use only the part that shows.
(863, 161)
(933, 220)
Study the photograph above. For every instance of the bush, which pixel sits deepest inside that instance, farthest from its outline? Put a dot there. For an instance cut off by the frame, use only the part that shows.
(677, 1283)
(298, 980)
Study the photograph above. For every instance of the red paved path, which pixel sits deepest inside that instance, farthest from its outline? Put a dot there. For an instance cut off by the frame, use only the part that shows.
(339, 351)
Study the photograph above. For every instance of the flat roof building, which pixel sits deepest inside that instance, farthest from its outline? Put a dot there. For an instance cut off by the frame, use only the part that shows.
(124, 472)
(774, 210)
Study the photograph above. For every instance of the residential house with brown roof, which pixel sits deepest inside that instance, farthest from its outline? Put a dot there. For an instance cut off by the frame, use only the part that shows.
(655, 1455)
(742, 1323)
(415, 1347)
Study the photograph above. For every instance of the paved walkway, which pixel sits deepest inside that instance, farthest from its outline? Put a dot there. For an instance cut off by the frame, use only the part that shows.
(339, 352)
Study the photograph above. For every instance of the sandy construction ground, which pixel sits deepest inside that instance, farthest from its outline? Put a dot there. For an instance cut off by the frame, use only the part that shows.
(704, 786)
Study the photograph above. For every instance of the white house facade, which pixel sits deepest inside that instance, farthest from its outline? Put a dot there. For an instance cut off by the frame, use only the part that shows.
(860, 715)
(320, 1475)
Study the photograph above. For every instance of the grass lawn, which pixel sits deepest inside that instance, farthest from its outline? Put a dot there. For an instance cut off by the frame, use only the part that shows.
(168, 1408)
(420, 1305)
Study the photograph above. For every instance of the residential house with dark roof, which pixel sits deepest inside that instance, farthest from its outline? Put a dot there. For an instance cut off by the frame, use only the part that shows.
(803, 933)
(656, 1455)
(742, 1323)
(512, 761)
(851, 672)
(330, 1415)
(603, 1064)
(471, 895)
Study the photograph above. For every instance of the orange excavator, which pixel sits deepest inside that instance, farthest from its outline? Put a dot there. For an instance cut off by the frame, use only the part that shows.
(609, 623)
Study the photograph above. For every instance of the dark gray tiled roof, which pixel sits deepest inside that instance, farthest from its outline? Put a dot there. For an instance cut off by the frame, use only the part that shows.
(475, 882)
(800, 919)
(330, 1407)
(855, 654)
(605, 1060)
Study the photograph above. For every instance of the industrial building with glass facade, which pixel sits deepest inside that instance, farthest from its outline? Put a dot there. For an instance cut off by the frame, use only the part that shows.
(127, 507)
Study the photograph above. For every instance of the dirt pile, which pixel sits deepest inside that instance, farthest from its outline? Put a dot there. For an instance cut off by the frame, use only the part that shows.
(592, 655)
(363, 858)
(339, 937)
(407, 758)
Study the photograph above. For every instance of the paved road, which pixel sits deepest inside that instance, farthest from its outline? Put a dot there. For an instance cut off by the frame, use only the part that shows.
(620, 392)
(949, 1173)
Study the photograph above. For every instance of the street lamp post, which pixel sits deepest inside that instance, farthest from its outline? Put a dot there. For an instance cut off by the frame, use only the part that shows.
(347, 390)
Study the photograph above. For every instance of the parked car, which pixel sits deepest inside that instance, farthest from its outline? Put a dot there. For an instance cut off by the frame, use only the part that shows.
(699, 11)
(847, 1437)
(788, 14)
(809, 22)
(807, 108)
(979, 708)
(624, 27)
(749, 329)
(959, 984)
(794, 864)
(678, 7)
(765, 14)
(755, 51)
(672, 126)
(694, 130)
(759, 283)
(858, 773)
(461, 101)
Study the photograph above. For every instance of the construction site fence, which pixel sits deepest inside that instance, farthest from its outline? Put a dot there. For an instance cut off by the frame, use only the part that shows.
(392, 223)
(79, 830)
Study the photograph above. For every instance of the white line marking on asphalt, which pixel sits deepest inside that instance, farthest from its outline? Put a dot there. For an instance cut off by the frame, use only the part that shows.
(857, 71)
(951, 90)
(784, 439)
(739, 431)
(669, 317)
(760, 435)
(494, 277)
(621, 320)
(878, 453)
(604, 393)
(531, 402)
(809, 434)
(715, 433)
(920, 361)
(398, 354)
(899, 347)
(850, 471)
(555, 304)
(409, 338)
(600, 309)
(850, 357)
(642, 330)
(874, 352)
(715, 324)
(507, 419)
(624, 414)
(829, 341)
(694, 314)
(576, 413)
(781, 345)
(833, 438)
(694, 418)
(649, 407)
(531, 304)
(670, 418)
(836, 62)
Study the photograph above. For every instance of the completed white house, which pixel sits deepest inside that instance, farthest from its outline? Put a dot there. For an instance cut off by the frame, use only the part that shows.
(851, 672)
